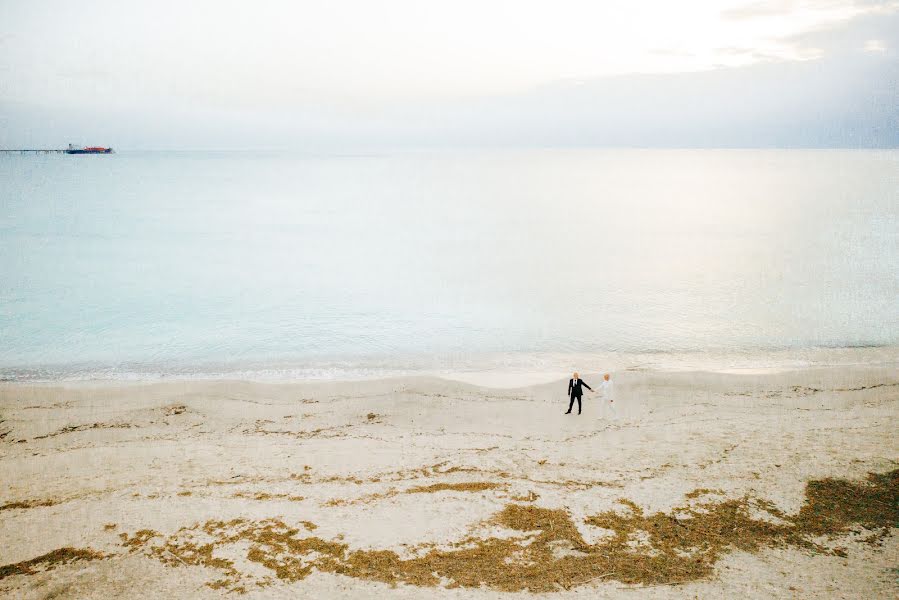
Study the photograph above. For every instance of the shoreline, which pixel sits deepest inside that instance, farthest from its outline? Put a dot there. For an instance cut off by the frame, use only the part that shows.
(496, 370)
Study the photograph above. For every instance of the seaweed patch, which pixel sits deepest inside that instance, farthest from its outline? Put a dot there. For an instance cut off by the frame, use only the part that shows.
(545, 550)
(49, 561)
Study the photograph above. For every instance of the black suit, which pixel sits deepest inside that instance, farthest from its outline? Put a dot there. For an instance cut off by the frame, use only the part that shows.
(575, 390)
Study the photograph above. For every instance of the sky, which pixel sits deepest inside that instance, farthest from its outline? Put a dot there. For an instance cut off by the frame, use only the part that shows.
(356, 73)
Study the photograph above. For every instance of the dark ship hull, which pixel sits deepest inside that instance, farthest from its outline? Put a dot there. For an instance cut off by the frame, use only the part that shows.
(89, 151)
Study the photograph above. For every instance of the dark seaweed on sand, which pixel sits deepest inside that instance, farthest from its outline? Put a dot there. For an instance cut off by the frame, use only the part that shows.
(546, 552)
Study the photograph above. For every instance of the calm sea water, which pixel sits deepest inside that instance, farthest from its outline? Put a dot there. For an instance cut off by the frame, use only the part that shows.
(180, 263)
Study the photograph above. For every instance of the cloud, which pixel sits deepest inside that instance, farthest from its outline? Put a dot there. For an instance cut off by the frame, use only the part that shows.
(832, 84)
(852, 36)
(766, 9)
(776, 53)
(675, 52)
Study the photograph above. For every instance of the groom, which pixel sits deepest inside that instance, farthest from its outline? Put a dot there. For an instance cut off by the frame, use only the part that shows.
(575, 390)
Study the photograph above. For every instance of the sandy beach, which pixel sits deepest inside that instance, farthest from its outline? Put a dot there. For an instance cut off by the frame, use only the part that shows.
(696, 485)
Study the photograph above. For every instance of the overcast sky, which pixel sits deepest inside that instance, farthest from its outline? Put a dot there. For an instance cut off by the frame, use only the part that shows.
(347, 73)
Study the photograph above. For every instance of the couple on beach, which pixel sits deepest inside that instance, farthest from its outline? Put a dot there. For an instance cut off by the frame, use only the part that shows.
(576, 387)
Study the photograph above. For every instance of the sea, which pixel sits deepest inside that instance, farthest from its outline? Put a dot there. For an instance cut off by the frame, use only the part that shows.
(287, 265)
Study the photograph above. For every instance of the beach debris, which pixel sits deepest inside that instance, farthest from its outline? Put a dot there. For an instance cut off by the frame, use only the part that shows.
(49, 561)
(472, 486)
(268, 496)
(698, 492)
(642, 549)
(85, 427)
(28, 504)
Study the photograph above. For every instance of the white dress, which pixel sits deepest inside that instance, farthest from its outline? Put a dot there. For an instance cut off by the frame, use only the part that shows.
(607, 389)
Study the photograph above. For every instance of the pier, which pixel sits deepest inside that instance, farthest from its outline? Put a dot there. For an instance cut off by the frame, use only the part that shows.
(72, 149)
(35, 150)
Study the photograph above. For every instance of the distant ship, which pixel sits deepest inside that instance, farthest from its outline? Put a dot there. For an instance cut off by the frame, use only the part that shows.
(73, 149)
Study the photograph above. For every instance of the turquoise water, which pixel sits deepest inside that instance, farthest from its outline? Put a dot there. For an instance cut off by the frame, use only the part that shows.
(179, 263)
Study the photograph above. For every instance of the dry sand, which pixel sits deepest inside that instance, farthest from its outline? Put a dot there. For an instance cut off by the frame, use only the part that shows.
(695, 486)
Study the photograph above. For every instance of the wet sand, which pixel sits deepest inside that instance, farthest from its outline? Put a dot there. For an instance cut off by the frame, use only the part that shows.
(695, 485)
